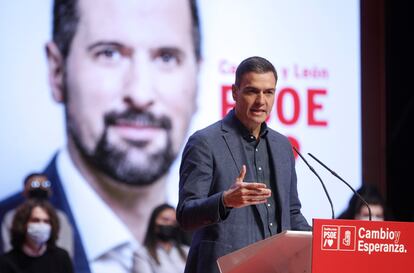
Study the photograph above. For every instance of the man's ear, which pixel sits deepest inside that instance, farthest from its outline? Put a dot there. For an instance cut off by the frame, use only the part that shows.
(55, 71)
(234, 90)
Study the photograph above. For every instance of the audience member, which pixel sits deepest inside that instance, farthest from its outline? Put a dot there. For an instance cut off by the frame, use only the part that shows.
(38, 186)
(163, 242)
(33, 237)
(359, 211)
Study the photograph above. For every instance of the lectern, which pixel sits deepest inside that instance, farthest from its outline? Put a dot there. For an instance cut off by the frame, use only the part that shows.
(339, 246)
(287, 252)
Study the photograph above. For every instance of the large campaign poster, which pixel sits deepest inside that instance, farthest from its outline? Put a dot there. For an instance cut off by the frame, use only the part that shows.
(314, 45)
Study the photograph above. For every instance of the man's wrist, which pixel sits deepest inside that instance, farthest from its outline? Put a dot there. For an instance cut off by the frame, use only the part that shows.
(223, 209)
(223, 200)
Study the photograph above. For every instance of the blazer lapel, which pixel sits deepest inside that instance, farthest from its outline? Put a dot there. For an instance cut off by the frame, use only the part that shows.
(281, 168)
(232, 140)
(59, 200)
(236, 151)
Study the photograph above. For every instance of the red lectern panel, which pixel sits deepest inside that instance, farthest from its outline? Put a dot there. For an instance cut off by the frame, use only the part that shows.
(287, 252)
(344, 246)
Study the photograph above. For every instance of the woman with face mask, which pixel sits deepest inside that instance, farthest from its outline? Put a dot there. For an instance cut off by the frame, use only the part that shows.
(33, 237)
(163, 243)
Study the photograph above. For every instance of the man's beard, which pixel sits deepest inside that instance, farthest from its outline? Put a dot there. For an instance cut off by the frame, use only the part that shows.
(113, 161)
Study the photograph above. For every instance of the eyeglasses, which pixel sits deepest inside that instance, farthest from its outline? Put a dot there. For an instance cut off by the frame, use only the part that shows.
(40, 184)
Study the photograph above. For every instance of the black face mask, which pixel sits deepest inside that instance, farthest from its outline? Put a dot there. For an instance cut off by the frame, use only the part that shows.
(167, 232)
(38, 194)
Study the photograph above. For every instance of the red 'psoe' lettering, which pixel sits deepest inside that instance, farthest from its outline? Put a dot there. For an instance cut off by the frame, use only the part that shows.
(313, 106)
(281, 113)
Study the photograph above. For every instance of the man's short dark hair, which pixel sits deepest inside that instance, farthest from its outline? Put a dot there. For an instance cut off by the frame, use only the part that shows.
(66, 19)
(254, 64)
(22, 216)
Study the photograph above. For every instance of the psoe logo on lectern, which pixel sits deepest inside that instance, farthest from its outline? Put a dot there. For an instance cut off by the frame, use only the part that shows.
(340, 238)
(330, 235)
(347, 235)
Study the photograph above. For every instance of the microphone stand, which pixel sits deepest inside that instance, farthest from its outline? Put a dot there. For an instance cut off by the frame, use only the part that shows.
(323, 185)
(346, 183)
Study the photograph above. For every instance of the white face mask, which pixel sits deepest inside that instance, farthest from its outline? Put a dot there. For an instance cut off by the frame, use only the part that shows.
(39, 232)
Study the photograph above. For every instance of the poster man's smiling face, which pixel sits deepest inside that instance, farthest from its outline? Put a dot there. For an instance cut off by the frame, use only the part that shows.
(129, 86)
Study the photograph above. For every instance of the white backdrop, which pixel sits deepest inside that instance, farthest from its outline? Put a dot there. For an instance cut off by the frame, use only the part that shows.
(314, 45)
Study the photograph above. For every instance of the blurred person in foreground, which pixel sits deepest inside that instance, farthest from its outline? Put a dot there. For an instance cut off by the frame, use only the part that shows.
(166, 252)
(121, 69)
(38, 187)
(358, 210)
(34, 233)
(237, 176)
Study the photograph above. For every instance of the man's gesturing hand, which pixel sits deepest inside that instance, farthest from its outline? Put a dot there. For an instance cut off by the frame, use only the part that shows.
(243, 194)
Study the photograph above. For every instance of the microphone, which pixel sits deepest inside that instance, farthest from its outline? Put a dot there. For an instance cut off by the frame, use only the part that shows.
(323, 185)
(346, 183)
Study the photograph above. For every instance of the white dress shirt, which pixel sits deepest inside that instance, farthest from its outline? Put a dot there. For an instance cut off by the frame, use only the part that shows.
(108, 243)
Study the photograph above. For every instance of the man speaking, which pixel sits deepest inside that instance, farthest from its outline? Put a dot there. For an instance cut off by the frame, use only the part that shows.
(237, 176)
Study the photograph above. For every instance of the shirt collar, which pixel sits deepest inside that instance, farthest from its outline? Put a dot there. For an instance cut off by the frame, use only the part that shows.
(85, 214)
(245, 132)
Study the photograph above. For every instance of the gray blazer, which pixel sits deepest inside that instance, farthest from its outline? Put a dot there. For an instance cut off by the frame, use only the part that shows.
(211, 161)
